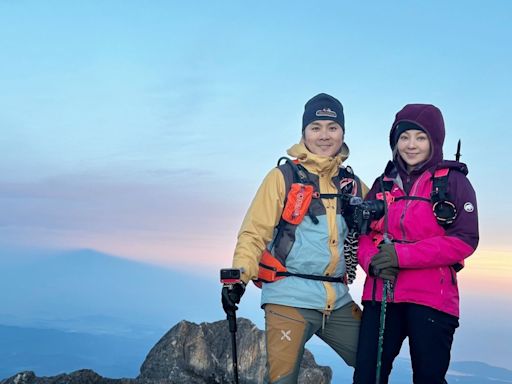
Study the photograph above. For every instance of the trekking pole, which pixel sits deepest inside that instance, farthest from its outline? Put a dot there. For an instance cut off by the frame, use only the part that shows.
(229, 277)
(231, 316)
(387, 288)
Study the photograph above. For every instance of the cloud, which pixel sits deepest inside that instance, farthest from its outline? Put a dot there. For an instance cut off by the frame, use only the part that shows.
(185, 218)
(486, 303)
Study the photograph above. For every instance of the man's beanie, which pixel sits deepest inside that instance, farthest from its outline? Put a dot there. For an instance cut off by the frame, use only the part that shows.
(323, 107)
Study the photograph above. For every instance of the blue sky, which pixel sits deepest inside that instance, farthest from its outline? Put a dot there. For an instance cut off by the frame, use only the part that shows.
(143, 129)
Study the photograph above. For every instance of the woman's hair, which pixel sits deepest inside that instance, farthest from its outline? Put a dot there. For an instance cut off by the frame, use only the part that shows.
(394, 151)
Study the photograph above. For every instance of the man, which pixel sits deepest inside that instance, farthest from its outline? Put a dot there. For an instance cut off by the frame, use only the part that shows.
(295, 224)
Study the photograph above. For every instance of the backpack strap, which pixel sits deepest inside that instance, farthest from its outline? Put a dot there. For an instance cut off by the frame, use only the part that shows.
(295, 174)
(300, 175)
(271, 269)
(387, 185)
(444, 209)
(440, 184)
(407, 197)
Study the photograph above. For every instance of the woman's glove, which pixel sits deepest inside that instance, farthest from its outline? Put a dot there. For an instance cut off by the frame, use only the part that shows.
(389, 273)
(385, 263)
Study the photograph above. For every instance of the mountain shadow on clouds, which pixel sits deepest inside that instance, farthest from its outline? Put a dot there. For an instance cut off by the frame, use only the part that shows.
(86, 288)
(68, 310)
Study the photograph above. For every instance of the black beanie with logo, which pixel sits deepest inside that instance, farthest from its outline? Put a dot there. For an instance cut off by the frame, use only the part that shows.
(323, 107)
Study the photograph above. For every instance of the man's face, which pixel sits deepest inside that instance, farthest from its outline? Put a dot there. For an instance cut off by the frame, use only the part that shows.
(323, 137)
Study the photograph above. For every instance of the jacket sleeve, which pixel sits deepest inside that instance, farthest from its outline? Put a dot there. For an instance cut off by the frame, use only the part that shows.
(460, 239)
(258, 226)
(367, 249)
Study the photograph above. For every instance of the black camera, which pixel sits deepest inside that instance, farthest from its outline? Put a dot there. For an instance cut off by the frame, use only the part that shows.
(359, 213)
(229, 276)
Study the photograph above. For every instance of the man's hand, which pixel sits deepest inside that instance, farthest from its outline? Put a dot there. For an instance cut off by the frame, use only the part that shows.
(231, 296)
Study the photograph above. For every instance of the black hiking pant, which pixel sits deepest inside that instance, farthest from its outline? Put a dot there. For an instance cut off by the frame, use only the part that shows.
(430, 334)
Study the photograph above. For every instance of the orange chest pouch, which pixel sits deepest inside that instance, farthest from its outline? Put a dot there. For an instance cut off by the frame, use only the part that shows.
(270, 268)
(298, 201)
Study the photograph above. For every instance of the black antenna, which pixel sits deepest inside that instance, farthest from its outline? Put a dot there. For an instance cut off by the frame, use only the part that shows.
(457, 154)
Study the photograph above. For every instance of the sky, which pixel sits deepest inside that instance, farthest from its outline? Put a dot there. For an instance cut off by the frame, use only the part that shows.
(143, 129)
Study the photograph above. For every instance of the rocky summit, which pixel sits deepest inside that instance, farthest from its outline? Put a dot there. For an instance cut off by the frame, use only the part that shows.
(194, 354)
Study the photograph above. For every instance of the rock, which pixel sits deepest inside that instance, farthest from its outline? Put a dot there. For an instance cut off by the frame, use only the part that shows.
(83, 376)
(190, 353)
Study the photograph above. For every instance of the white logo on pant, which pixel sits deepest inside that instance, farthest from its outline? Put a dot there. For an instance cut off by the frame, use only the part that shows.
(286, 335)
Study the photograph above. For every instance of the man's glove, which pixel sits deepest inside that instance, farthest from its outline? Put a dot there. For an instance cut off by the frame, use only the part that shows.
(385, 263)
(231, 296)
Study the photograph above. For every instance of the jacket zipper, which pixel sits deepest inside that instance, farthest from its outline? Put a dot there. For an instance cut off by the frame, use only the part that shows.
(402, 218)
(408, 203)
(442, 279)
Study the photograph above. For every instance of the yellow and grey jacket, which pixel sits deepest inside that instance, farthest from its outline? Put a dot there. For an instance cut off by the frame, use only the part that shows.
(317, 249)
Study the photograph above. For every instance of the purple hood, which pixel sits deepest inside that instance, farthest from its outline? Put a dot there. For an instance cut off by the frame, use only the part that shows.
(430, 119)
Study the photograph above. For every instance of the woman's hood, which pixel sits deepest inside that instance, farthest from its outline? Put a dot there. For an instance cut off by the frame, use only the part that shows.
(427, 117)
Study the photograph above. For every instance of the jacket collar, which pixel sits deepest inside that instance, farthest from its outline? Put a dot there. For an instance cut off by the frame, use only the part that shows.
(318, 164)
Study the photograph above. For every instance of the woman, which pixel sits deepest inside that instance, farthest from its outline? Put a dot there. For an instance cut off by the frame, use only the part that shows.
(430, 227)
(295, 225)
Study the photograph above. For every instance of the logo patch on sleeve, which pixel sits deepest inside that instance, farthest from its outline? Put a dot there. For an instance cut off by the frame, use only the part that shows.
(468, 207)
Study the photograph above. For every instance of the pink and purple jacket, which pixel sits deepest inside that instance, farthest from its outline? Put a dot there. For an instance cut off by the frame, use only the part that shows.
(427, 252)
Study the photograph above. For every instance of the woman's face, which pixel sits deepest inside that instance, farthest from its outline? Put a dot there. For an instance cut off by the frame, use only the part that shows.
(323, 137)
(414, 147)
